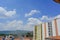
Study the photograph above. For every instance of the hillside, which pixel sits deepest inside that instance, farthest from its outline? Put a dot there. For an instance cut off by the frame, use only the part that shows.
(17, 32)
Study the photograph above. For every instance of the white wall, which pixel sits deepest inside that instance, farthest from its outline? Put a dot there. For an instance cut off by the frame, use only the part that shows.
(53, 28)
(58, 25)
(43, 34)
(47, 34)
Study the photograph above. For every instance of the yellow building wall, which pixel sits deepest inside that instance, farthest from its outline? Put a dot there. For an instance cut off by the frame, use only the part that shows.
(38, 32)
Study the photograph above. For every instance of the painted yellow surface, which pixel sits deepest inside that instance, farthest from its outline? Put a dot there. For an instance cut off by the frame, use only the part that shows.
(38, 32)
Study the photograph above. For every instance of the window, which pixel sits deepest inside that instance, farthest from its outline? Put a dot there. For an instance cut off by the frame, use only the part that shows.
(50, 28)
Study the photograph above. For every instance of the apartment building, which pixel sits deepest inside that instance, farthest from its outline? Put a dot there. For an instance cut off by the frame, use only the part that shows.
(48, 30)
(37, 32)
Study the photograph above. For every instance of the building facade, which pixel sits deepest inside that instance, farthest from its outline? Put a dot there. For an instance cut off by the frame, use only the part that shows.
(49, 30)
(37, 32)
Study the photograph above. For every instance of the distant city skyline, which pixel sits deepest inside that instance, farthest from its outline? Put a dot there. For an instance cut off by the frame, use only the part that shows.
(24, 14)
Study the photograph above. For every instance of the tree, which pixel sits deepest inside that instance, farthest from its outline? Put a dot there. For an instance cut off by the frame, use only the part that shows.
(29, 34)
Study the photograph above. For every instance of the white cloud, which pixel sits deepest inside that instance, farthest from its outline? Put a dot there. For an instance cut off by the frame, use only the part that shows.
(12, 25)
(19, 25)
(32, 12)
(31, 22)
(58, 16)
(5, 13)
(34, 21)
(10, 13)
(15, 25)
(46, 18)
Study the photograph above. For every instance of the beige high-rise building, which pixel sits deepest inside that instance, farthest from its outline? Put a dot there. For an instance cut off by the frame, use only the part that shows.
(37, 32)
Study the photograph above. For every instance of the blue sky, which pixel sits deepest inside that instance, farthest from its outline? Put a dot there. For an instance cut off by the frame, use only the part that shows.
(26, 12)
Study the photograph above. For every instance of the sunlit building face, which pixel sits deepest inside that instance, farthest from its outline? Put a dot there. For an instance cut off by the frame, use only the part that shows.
(48, 30)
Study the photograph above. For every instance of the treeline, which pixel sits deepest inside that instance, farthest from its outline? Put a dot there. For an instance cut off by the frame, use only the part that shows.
(7, 34)
(28, 34)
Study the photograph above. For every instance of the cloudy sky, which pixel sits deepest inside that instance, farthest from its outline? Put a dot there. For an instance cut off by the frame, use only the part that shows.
(24, 14)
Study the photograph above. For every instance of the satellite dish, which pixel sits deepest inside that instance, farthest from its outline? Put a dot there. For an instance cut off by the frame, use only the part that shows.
(57, 1)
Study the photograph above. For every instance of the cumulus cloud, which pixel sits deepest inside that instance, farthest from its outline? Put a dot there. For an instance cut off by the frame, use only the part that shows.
(19, 25)
(5, 13)
(10, 13)
(32, 12)
(15, 25)
(34, 21)
(58, 16)
(31, 22)
(12, 25)
(46, 18)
